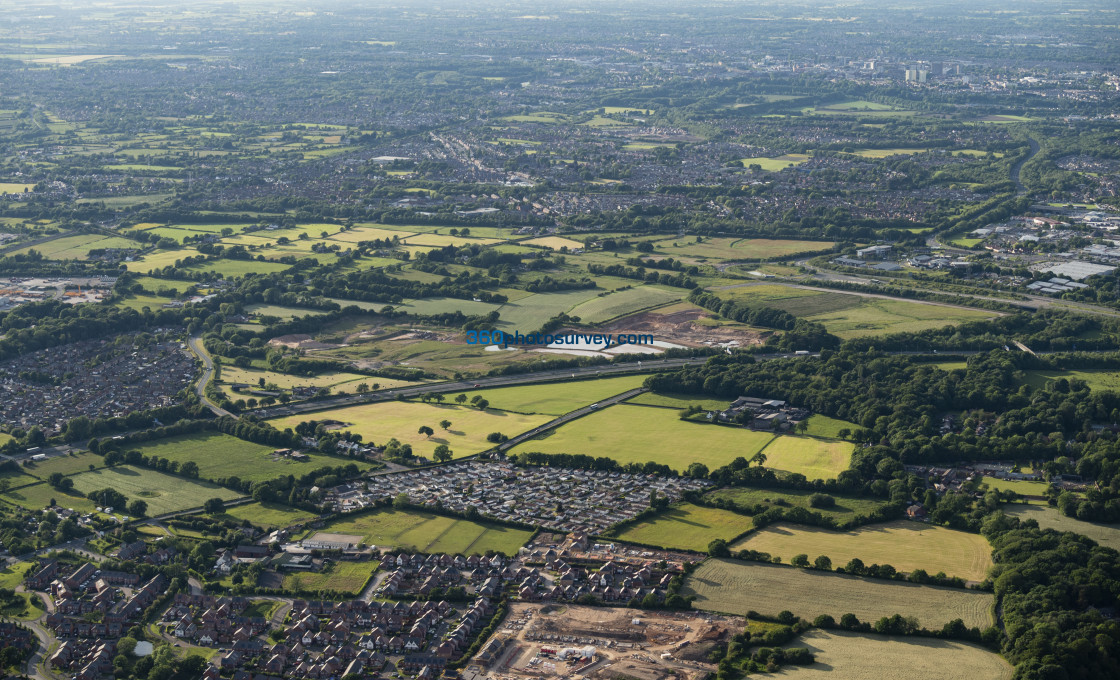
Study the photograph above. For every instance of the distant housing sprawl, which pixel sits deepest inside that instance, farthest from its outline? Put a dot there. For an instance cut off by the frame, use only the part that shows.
(574, 339)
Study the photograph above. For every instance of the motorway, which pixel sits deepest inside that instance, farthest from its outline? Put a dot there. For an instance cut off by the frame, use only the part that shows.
(571, 415)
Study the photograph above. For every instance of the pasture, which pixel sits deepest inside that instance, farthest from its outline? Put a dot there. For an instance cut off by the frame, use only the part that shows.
(38, 496)
(735, 587)
(428, 532)
(1047, 517)
(221, 456)
(553, 242)
(78, 246)
(851, 656)
(554, 399)
(163, 493)
(600, 309)
(67, 465)
(686, 527)
(401, 420)
(280, 311)
(736, 248)
(1020, 486)
(903, 544)
(823, 426)
(887, 153)
(637, 434)
(845, 508)
(678, 401)
(268, 515)
(814, 458)
(876, 316)
(530, 313)
(285, 381)
(1101, 379)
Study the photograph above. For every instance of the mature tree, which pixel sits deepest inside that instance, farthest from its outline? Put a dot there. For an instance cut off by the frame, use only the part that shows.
(445, 424)
(426, 431)
(138, 508)
(442, 454)
(823, 563)
(461, 398)
(214, 506)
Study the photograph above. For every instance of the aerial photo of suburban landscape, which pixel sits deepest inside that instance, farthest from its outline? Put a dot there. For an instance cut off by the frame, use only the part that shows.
(560, 339)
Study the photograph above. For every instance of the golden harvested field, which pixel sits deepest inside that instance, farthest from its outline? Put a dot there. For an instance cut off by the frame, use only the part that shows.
(1052, 518)
(905, 545)
(735, 587)
(850, 656)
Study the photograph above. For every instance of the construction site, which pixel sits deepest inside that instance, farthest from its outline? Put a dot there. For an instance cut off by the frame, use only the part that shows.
(548, 640)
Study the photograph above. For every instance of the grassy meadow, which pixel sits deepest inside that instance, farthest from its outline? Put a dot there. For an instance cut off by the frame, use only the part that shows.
(686, 527)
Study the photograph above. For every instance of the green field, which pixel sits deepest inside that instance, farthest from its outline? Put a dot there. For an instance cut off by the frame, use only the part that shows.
(39, 496)
(285, 381)
(737, 587)
(885, 153)
(268, 515)
(554, 399)
(636, 434)
(1021, 487)
(686, 527)
(850, 656)
(430, 533)
(530, 313)
(600, 309)
(401, 420)
(343, 577)
(776, 163)
(823, 426)
(221, 456)
(67, 465)
(903, 544)
(814, 458)
(163, 493)
(679, 401)
(796, 301)
(281, 312)
(736, 248)
(1047, 517)
(77, 247)
(1102, 379)
(846, 507)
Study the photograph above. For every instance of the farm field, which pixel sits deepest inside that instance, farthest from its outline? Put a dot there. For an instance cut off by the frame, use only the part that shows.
(814, 458)
(903, 544)
(344, 577)
(19, 477)
(635, 434)
(77, 247)
(850, 656)
(163, 493)
(1047, 517)
(600, 309)
(380, 422)
(554, 242)
(845, 507)
(686, 527)
(38, 496)
(221, 456)
(886, 153)
(427, 532)
(286, 381)
(796, 301)
(268, 515)
(735, 587)
(736, 248)
(530, 313)
(554, 399)
(876, 316)
(678, 401)
(281, 312)
(67, 465)
(823, 426)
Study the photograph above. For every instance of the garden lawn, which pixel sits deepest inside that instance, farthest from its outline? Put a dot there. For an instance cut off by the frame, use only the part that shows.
(163, 493)
(686, 527)
(402, 420)
(638, 434)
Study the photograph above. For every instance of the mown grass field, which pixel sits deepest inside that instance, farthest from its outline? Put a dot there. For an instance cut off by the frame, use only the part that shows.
(1102, 379)
(554, 242)
(796, 301)
(776, 163)
(637, 434)
(554, 399)
(346, 577)
(39, 496)
(67, 465)
(736, 248)
(427, 532)
(163, 493)
(850, 656)
(686, 527)
(823, 426)
(903, 544)
(1047, 517)
(401, 420)
(737, 587)
(1021, 487)
(268, 515)
(878, 317)
(221, 456)
(846, 507)
(77, 247)
(814, 458)
(600, 309)
(284, 381)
